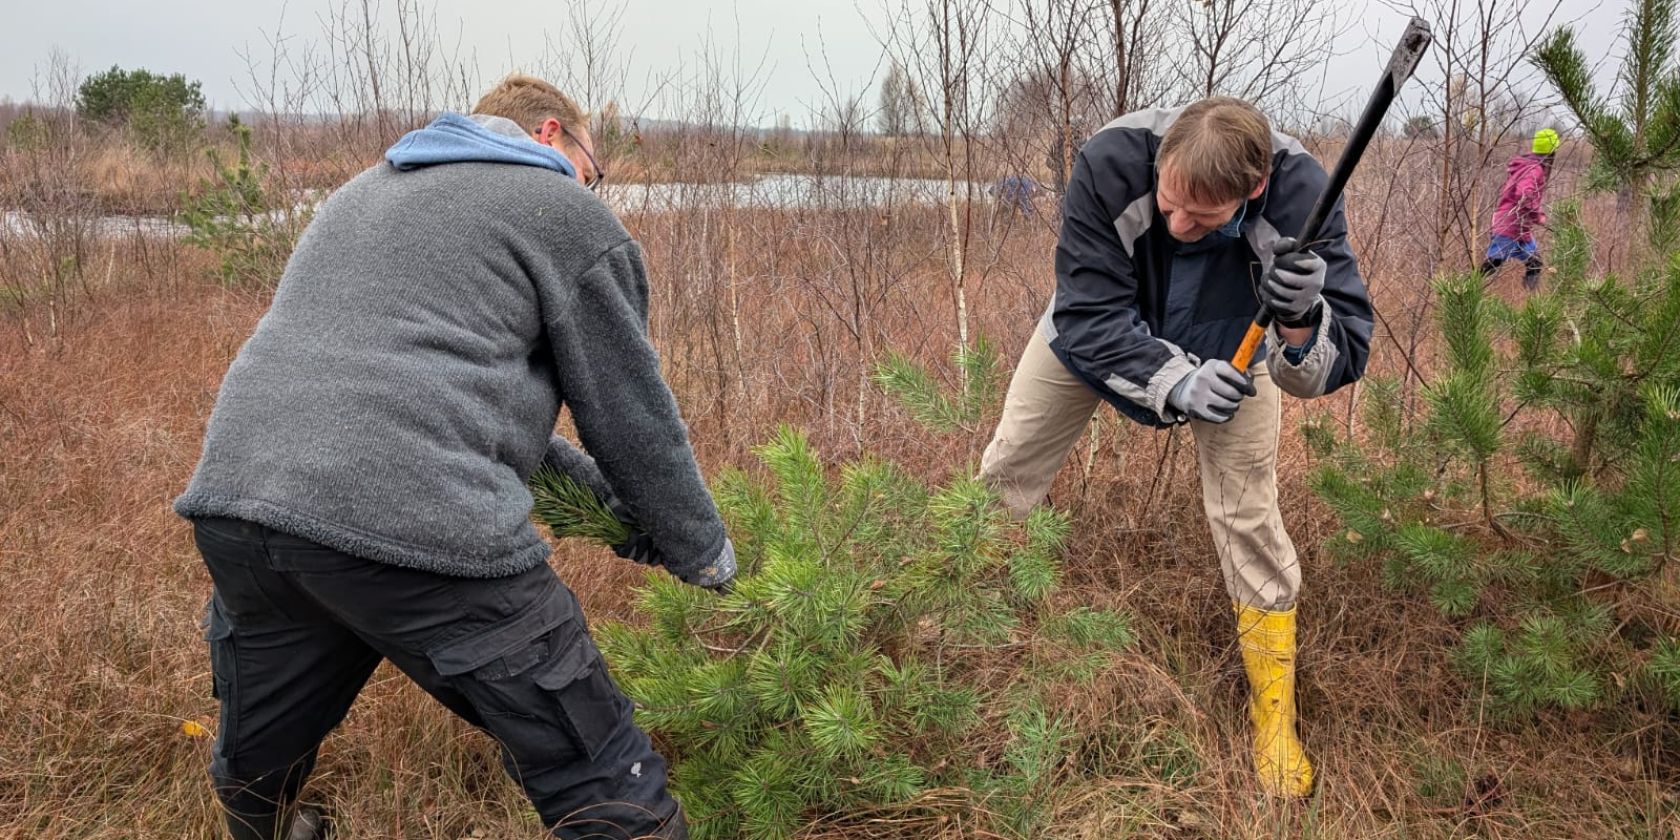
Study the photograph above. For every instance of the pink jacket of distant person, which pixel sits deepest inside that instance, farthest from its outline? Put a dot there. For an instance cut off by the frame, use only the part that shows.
(1519, 200)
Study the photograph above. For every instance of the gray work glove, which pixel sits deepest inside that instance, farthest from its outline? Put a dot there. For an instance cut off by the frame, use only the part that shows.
(1211, 392)
(1294, 287)
(570, 461)
(717, 576)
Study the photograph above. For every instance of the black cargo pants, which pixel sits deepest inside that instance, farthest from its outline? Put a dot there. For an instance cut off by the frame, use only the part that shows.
(296, 628)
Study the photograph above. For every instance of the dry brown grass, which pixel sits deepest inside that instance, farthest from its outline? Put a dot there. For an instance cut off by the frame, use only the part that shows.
(101, 173)
(102, 417)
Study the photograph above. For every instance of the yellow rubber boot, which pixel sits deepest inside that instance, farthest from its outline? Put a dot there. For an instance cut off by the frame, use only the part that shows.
(1268, 652)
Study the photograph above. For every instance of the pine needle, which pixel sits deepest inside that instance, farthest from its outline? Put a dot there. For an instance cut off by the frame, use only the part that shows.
(570, 509)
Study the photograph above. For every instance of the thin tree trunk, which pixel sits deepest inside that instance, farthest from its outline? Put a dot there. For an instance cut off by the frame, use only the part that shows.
(1581, 451)
(1121, 76)
(958, 275)
(735, 316)
(1487, 504)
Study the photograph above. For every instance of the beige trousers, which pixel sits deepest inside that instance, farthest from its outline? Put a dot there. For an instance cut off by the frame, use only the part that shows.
(1047, 409)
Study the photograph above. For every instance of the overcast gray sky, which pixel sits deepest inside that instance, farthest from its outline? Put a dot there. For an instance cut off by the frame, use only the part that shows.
(204, 39)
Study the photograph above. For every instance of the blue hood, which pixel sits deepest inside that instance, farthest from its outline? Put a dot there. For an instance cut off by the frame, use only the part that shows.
(453, 138)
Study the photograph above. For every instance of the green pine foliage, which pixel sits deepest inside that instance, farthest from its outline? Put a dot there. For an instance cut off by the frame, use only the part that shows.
(857, 652)
(235, 217)
(29, 132)
(1662, 671)
(853, 664)
(571, 509)
(1038, 745)
(1534, 496)
(1636, 134)
(928, 402)
(880, 635)
(162, 113)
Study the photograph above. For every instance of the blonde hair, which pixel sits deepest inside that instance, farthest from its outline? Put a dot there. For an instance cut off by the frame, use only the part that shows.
(529, 101)
(1220, 149)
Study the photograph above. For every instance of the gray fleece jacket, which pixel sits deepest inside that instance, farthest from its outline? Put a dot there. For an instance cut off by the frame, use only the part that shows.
(407, 378)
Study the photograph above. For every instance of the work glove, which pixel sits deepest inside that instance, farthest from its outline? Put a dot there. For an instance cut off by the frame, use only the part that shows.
(638, 547)
(1294, 287)
(718, 575)
(1211, 392)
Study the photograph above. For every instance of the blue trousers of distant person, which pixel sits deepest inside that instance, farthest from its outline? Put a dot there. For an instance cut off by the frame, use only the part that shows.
(1502, 248)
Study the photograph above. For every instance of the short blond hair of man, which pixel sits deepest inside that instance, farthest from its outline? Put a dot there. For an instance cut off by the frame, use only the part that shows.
(529, 101)
(1219, 149)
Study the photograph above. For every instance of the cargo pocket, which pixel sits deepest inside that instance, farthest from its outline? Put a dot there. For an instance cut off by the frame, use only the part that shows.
(538, 683)
(585, 695)
(224, 671)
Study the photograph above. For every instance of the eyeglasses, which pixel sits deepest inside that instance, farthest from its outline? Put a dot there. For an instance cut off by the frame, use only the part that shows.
(600, 174)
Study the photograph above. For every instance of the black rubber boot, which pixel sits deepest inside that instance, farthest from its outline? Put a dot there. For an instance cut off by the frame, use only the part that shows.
(308, 823)
(311, 823)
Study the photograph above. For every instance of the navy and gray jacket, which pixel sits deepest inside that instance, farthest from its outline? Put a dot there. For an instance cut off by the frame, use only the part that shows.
(1135, 310)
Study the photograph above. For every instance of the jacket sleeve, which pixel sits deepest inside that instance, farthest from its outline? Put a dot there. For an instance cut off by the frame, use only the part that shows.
(1529, 192)
(625, 415)
(1094, 322)
(1341, 341)
(569, 461)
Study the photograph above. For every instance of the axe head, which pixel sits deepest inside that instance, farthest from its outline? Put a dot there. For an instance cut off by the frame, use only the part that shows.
(1409, 52)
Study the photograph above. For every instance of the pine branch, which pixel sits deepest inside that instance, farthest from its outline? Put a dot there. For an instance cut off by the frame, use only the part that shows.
(751, 516)
(980, 367)
(1662, 130)
(1565, 66)
(844, 667)
(1654, 490)
(1036, 570)
(570, 509)
(895, 778)
(1649, 32)
(1037, 746)
(926, 399)
(1663, 670)
(842, 724)
(801, 485)
(766, 788)
(911, 385)
(1090, 629)
(1466, 323)
(1463, 412)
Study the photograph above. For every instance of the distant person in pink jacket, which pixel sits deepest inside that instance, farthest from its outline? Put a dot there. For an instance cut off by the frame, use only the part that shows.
(1519, 211)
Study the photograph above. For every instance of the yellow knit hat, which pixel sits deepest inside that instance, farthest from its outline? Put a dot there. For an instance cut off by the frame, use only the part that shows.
(1545, 141)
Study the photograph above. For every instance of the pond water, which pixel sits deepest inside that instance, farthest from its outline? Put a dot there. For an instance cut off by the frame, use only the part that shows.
(19, 223)
(785, 191)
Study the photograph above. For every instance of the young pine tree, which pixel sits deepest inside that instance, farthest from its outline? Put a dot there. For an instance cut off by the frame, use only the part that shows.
(1537, 499)
(851, 666)
(235, 217)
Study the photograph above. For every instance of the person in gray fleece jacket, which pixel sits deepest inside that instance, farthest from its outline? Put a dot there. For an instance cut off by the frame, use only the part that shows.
(362, 491)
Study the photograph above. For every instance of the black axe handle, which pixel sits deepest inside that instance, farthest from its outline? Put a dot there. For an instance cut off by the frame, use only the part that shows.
(1400, 67)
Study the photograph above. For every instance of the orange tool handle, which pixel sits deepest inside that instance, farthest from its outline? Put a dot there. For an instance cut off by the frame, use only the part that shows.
(1251, 341)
